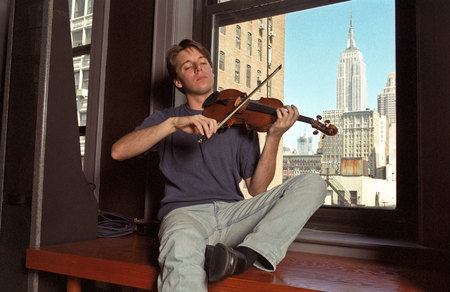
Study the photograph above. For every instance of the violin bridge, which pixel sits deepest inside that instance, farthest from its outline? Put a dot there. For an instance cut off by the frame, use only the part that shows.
(237, 101)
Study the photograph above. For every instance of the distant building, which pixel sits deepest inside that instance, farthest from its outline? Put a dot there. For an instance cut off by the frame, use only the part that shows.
(304, 145)
(294, 165)
(332, 145)
(361, 137)
(248, 52)
(388, 99)
(351, 83)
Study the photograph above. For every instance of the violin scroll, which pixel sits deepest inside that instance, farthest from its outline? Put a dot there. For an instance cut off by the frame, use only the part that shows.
(325, 127)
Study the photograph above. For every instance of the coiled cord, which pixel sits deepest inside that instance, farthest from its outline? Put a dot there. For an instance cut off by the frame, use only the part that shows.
(111, 224)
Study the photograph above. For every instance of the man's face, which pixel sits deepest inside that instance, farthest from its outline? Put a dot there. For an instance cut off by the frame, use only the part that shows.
(194, 73)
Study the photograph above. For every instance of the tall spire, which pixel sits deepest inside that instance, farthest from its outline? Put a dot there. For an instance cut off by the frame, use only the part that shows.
(351, 35)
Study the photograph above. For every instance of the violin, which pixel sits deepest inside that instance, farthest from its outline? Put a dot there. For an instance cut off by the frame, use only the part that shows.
(233, 107)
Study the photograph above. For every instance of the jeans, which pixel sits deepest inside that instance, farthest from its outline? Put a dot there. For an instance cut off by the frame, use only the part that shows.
(267, 223)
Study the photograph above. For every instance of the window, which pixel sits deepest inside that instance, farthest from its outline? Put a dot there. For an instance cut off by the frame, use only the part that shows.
(270, 29)
(238, 37)
(237, 71)
(259, 50)
(81, 12)
(261, 27)
(79, 8)
(379, 190)
(222, 60)
(258, 79)
(249, 76)
(249, 44)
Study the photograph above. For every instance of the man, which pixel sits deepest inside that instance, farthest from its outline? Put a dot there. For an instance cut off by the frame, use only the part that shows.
(208, 231)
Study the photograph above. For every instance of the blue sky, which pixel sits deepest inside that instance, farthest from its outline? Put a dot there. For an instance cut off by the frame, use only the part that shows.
(315, 39)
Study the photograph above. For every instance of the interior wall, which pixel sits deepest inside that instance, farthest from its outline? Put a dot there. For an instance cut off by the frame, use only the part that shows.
(433, 62)
(126, 103)
(46, 198)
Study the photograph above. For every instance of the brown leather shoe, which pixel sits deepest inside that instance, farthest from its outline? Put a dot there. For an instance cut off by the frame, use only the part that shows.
(222, 261)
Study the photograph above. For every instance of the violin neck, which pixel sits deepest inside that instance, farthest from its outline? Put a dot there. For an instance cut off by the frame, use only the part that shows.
(266, 109)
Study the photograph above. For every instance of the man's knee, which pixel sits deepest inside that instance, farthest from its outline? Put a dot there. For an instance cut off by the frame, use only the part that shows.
(310, 185)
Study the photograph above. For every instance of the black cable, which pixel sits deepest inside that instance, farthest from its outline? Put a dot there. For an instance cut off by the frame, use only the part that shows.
(111, 224)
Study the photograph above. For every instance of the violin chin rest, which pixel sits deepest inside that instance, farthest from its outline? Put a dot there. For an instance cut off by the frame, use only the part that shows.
(211, 99)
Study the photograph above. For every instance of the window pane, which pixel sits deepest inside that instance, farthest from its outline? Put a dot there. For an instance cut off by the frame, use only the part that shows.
(81, 22)
(249, 76)
(237, 71)
(81, 74)
(80, 12)
(339, 63)
(238, 37)
(77, 38)
(79, 8)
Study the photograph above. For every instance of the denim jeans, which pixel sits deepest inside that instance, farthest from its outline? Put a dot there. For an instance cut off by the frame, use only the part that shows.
(267, 223)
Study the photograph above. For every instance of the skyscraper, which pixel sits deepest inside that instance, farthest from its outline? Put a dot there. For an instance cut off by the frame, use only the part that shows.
(351, 83)
(304, 145)
(387, 99)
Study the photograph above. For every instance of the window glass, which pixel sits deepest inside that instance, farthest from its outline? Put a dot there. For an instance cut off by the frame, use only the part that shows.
(237, 71)
(339, 63)
(238, 37)
(248, 76)
(222, 60)
(81, 12)
(249, 44)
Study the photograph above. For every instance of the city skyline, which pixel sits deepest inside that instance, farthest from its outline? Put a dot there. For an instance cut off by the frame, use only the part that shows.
(316, 38)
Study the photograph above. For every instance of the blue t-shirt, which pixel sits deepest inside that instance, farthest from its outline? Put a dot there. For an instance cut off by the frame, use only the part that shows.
(203, 173)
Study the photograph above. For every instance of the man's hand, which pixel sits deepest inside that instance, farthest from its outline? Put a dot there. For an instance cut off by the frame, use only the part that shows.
(286, 117)
(197, 124)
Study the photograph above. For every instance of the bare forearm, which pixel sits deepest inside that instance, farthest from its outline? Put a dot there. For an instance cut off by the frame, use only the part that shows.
(265, 170)
(138, 142)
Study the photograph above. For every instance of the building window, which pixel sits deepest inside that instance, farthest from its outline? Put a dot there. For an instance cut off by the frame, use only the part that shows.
(261, 27)
(237, 70)
(79, 8)
(238, 37)
(258, 79)
(77, 38)
(249, 44)
(249, 76)
(270, 32)
(222, 60)
(259, 50)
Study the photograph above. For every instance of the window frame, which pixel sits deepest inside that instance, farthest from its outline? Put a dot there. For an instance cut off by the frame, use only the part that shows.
(401, 222)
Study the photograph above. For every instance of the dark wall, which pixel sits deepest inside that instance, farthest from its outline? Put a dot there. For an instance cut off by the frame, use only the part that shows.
(433, 63)
(45, 196)
(127, 103)
(4, 19)
(19, 143)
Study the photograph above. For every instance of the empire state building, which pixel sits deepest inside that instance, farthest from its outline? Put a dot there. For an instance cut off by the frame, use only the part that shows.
(351, 83)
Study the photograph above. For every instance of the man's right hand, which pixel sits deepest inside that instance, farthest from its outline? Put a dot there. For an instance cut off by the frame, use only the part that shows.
(197, 124)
